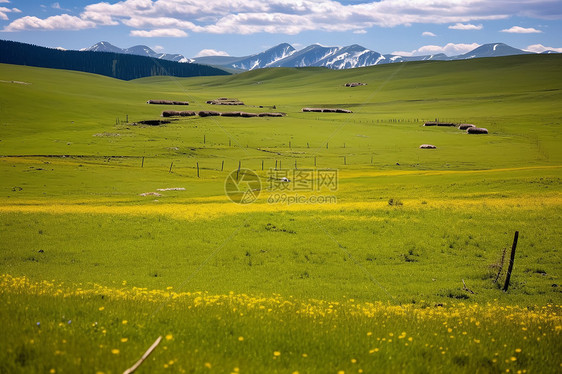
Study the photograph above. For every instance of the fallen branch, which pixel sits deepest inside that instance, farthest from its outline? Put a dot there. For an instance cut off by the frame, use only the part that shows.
(465, 288)
(144, 357)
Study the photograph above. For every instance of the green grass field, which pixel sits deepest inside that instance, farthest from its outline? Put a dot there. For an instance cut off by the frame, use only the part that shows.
(364, 275)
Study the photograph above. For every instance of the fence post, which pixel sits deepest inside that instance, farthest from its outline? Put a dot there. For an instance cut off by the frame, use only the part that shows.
(511, 260)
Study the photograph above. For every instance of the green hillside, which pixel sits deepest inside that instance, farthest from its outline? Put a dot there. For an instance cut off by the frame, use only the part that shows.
(115, 233)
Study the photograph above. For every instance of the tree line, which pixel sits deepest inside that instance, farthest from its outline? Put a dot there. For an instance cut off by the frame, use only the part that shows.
(115, 65)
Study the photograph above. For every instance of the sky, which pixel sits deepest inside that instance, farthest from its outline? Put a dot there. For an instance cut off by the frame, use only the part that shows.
(196, 28)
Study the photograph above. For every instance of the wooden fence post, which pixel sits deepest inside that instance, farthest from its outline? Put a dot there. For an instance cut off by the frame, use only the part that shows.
(511, 260)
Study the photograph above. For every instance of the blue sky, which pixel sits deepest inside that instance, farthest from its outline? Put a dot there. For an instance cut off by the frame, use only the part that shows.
(243, 27)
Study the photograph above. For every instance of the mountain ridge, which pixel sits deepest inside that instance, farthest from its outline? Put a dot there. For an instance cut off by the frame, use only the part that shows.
(138, 50)
(314, 55)
(351, 56)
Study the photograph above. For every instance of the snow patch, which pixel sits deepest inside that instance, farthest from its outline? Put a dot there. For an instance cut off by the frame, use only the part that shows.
(379, 59)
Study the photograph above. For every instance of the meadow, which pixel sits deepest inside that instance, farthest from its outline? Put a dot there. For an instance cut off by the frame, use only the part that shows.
(365, 275)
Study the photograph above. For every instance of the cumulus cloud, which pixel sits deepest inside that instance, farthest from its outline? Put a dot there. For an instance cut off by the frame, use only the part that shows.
(159, 33)
(402, 53)
(360, 32)
(211, 52)
(62, 22)
(4, 11)
(522, 30)
(428, 33)
(450, 49)
(468, 26)
(539, 48)
(293, 17)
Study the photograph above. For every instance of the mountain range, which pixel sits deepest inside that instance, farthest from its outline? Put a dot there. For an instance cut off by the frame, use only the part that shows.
(139, 50)
(352, 56)
(285, 55)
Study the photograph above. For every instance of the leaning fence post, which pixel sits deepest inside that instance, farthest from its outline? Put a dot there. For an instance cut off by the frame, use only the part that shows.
(142, 163)
(512, 258)
(172, 164)
(197, 169)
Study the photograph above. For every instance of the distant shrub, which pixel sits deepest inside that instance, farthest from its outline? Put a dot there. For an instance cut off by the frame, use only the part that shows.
(394, 202)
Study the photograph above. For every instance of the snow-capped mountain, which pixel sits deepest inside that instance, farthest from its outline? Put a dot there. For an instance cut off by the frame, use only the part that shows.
(285, 55)
(141, 50)
(491, 50)
(264, 59)
(353, 56)
(332, 57)
(103, 47)
(399, 58)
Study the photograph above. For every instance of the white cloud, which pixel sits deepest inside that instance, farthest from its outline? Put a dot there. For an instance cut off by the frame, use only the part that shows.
(539, 48)
(450, 49)
(428, 33)
(55, 6)
(4, 10)
(468, 26)
(293, 17)
(522, 30)
(360, 32)
(211, 52)
(62, 22)
(158, 48)
(159, 33)
(402, 53)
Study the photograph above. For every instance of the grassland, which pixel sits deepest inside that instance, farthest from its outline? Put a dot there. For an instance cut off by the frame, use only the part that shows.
(92, 272)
